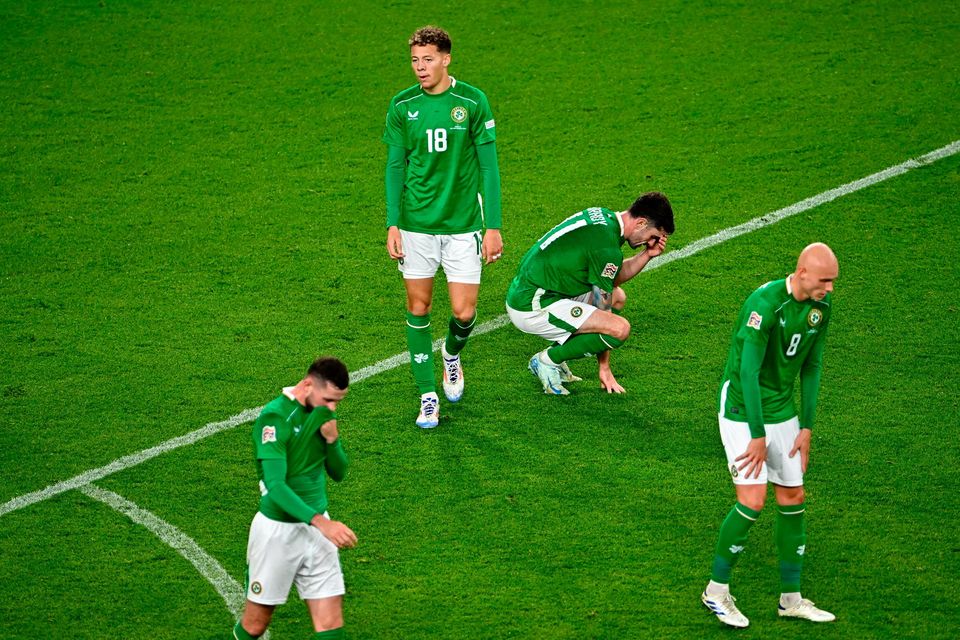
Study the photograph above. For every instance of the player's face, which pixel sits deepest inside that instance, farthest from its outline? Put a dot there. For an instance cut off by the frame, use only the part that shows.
(324, 394)
(644, 235)
(817, 280)
(430, 67)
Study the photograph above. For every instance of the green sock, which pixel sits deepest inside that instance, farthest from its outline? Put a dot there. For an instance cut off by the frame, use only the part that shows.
(581, 346)
(239, 633)
(732, 539)
(791, 532)
(458, 334)
(421, 351)
(330, 634)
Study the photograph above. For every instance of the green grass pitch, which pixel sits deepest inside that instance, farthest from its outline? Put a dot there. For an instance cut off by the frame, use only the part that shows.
(191, 208)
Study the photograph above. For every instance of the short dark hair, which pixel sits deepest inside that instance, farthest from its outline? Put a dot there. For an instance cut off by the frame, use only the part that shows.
(328, 369)
(655, 207)
(431, 35)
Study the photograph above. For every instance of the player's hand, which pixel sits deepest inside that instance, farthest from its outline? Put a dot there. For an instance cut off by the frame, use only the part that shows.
(492, 246)
(334, 531)
(802, 444)
(656, 247)
(608, 383)
(754, 457)
(329, 431)
(394, 243)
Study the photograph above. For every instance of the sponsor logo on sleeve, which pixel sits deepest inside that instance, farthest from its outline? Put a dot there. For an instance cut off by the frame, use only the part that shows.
(489, 124)
(609, 271)
(269, 434)
(755, 320)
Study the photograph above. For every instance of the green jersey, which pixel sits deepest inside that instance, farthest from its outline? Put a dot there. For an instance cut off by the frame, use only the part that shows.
(790, 335)
(440, 133)
(581, 252)
(286, 430)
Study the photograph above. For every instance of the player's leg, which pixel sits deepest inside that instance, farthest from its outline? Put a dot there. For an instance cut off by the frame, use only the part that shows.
(327, 617)
(320, 584)
(272, 559)
(786, 475)
(254, 621)
(732, 537)
(419, 266)
(460, 257)
(601, 331)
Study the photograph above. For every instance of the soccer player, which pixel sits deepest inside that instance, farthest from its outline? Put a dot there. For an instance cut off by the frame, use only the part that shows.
(567, 288)
(292, 540)
(441, 155)
(779, 335)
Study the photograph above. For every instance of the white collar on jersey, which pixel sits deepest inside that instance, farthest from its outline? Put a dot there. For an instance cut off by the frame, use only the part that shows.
(789, 287)
(288, 391)
(620, 221)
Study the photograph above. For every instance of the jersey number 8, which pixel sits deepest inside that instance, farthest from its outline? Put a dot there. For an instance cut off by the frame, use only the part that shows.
(794, 343)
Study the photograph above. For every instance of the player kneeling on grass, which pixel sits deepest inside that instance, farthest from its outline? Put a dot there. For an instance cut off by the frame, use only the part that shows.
(292, 541)
(567, 289)
(779, 336)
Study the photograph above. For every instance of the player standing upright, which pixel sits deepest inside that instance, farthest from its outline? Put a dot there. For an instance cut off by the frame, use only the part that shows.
(441, 155)
(296, 445)
(779, 336)
(567, 288)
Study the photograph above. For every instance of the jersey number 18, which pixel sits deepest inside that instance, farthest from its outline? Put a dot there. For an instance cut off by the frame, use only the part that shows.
(436, 140)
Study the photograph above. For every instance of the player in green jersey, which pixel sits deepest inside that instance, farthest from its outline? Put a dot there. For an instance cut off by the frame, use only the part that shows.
(778, 337)
(440, 138)
(292, 540)
(567, 288)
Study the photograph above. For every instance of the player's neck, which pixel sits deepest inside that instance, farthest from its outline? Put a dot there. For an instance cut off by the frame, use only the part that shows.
(797, 294)
(445, 83)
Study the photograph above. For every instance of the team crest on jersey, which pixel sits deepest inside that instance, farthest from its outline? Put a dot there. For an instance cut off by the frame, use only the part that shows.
(814, 317)
(269, 434)
(458, 114)
(755, 320)
(609, 271)
(576, 312)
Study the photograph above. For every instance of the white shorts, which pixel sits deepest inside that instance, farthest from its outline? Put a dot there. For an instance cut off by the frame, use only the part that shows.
(556, 322)
(779, 468)
(280, 554)
(459, 254)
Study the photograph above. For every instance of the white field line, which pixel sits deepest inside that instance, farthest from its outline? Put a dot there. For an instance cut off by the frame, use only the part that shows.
(229, 589)
(395, 361)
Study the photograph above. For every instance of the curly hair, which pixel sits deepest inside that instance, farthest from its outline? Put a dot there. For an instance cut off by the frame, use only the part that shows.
(431, 35)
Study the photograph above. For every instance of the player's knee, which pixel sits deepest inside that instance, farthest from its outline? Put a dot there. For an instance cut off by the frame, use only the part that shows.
(619, 299)
(621, 329)
(464, 314)
(787, 496)
(418, 307)
(754, 502)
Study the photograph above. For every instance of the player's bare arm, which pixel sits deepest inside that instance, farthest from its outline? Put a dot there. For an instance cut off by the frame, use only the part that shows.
(754, 457)
(334, 531)
(635, 264)
(394, 243)
(492, 246)
(607, 382)
(802, 444)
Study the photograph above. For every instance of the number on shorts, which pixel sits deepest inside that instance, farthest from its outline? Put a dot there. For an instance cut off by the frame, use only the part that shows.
(794, 343)
(479, 242)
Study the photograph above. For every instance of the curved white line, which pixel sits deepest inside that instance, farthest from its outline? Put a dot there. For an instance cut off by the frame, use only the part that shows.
(401, 358)
(229, 589)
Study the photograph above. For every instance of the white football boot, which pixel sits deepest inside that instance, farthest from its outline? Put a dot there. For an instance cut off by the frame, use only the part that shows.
(566, 375)
(805, 609)
(452, 376)
(429, 411)
(549, 376)
(724, 607)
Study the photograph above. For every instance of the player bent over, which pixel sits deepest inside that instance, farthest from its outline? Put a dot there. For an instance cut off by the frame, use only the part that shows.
(292, 541)
(567, 288)
(779, 336)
